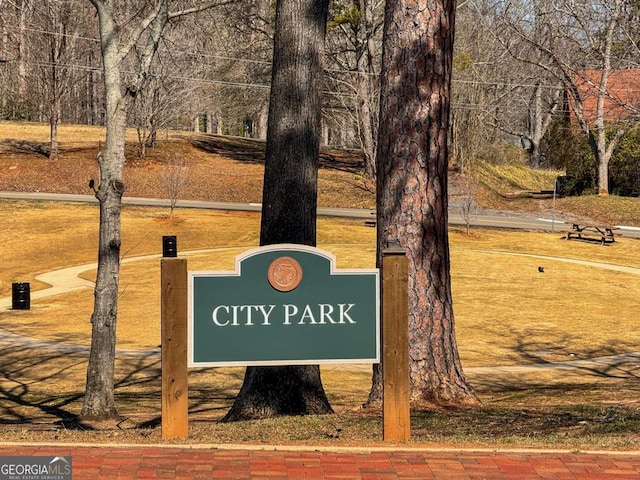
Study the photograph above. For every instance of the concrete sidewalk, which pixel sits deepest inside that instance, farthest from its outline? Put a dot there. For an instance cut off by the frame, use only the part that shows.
(240, 462)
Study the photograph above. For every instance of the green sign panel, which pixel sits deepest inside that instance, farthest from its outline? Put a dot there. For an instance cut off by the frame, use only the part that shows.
(284, 305)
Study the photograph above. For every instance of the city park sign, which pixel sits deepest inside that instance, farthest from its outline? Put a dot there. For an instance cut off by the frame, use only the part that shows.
(283, 305)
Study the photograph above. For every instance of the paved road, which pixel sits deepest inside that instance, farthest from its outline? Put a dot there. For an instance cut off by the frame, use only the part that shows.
(224, 462)
(481, 219)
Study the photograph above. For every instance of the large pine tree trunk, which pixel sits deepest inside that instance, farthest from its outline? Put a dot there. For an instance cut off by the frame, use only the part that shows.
(412, 161)
(290, 192)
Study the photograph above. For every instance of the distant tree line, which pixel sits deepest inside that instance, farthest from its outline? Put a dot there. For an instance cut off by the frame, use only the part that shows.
(518, 70)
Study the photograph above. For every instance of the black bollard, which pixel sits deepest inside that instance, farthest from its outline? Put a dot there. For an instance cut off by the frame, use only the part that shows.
(20, 296)
(169, 246)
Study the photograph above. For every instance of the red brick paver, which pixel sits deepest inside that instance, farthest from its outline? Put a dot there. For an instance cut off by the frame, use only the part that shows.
(137, 462)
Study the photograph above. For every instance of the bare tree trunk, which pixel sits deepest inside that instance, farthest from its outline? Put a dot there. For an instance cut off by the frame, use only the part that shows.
(367, 98)
(535, 129)
(290, 192)
(99, 403)
(209, 123)
(94, 102)
(601, 132)
(56, 50)
(144, 33)
(53, 132)
(412, 164)
(539, 123)
(25, 10)
(595, 30)
(262, 123)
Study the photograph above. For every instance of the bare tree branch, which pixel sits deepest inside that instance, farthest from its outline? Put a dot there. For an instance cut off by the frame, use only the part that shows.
(199, 8)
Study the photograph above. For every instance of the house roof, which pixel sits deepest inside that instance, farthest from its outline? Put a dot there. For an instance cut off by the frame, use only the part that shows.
(623, 99)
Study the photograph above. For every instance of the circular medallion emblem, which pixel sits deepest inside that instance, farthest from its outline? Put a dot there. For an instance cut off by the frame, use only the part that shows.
(284, 274)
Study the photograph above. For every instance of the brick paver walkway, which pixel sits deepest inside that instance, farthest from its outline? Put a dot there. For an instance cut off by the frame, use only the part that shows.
(107, 462)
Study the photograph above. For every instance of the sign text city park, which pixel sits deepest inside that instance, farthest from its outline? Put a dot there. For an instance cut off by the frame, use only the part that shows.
(284, 304)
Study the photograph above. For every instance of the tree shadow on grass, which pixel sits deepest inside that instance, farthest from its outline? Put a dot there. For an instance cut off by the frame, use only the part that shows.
(29, 391)
(31, 147)
(253, 151)
(559, 397)
(26, 146)
(42, 388)
(546, 425)
(605, 373)
(618, 359)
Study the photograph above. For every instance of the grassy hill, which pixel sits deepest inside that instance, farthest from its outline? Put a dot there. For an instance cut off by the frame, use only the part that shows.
(218, 168)
(516, 187)
(231, 168)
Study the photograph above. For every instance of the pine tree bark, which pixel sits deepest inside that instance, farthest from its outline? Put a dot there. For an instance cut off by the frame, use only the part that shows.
(290, 193)
(412, 165)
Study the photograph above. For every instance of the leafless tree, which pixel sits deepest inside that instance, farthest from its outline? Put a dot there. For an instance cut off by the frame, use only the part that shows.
(578, 46)
(57, 72)
(124, 29)
(354, 43)
(233, 95)
(174, 178)
(44, 49)
(467, 198)
(25, 8)
(476, 72)
(164, 98)
(496, 97)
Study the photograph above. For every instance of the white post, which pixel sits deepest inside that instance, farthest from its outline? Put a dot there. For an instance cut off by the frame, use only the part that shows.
(553, 218)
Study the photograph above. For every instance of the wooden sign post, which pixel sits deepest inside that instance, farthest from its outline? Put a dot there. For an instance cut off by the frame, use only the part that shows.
(173, 279)
(395, 346)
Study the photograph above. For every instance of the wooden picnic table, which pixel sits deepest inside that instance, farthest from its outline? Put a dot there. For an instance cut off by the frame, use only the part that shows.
(591, 233)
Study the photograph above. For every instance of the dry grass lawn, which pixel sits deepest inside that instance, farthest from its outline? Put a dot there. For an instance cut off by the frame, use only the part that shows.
(507, 313)
(218, 168)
